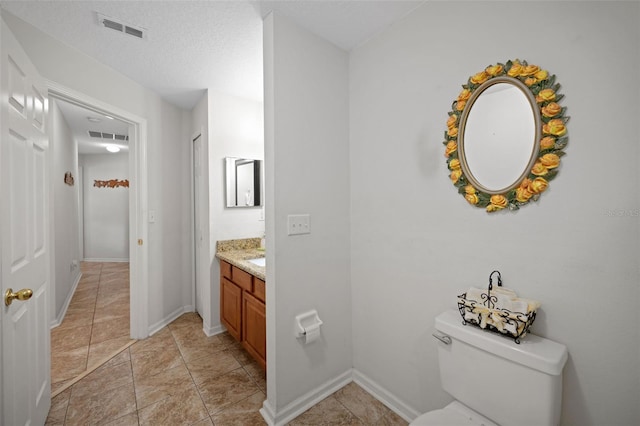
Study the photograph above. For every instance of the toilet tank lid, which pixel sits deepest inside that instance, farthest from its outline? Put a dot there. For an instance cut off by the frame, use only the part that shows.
(533, 351)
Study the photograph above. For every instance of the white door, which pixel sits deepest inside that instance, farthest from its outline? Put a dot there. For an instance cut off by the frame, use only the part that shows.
(197, 186)
(24, 235)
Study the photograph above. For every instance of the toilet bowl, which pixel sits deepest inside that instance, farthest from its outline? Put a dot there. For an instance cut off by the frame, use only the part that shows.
(490, 376)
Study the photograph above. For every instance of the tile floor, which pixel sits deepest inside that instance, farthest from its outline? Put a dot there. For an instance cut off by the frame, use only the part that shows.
(178, 376)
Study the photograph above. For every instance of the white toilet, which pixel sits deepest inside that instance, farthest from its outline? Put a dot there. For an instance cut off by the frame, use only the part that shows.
(494, 380)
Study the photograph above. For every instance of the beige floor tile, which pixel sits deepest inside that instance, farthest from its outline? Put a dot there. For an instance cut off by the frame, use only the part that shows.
(99, 351)
(115, 284)
(362, 404)
(119, 311)
(327, 412)
(89, 277)
(182, 408)
(220, 392)
(258, 375)
(198, 345)
(178, 376)
(90, 267)
(110, 329)
(130, 419)
(67, 365)
(209, 367)
(101, 407)
(102, 380)
(242, 413)
(55, 386)
(204, 422)
(226, 338)
(152, 389)
(392, 419)
(189, 319)
(77, 317)
(85, 296)
(150, 363)
(58, 410)
(240, 353)
(64, 339)
(159, 341)
(108, 298)
(115, 266)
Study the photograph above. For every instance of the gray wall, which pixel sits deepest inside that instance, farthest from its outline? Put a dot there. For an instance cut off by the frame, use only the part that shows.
(64, 201)
(416, 243)
(105, 210)
(306, 151)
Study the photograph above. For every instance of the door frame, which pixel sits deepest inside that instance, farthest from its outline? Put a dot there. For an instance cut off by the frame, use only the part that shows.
(196, 183)
(138, 201)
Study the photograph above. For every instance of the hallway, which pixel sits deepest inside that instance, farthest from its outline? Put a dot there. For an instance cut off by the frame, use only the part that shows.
(96, 324)
(178, 376)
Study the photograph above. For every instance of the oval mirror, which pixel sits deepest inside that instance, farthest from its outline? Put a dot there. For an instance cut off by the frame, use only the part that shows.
(498, 135)
(505, 136)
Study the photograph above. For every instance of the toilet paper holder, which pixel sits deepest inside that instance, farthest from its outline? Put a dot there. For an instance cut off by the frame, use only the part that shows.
(307, 321)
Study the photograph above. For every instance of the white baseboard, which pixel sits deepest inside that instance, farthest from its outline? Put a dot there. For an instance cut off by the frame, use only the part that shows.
(302, 404)
(213, 330)
(58, 320)
(306, 401)
(386, 397)
(154, 328)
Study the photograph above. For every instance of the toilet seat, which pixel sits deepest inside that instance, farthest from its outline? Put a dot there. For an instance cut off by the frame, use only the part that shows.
(454, 414)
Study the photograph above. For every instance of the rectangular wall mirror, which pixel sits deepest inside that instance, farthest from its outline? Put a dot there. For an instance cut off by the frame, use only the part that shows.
(243, 182)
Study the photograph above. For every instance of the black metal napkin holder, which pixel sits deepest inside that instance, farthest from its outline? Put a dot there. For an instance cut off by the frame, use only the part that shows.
(520, 322)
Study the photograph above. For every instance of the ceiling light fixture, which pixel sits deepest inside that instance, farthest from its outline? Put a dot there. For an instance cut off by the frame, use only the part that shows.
(113, 148)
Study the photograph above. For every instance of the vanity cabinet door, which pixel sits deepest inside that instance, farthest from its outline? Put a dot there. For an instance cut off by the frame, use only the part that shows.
(254, 328)
(259, 289)
(231, 308)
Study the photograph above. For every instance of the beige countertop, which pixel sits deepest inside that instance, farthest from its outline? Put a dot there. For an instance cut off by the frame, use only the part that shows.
(238, 252)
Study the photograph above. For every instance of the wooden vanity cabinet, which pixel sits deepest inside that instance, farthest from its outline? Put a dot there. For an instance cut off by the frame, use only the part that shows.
(231, 307)
(254, 328)
(242, 310)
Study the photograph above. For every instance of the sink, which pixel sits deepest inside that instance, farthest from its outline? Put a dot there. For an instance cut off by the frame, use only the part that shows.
(260, 261)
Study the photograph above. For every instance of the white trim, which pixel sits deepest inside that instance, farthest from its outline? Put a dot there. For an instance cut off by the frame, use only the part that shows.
(197, 259)
(80, 201)
(212, 331)
(311, 398)
(138, 195)
(154, 328)
(58, 320)
(306, 401)
(386, 397)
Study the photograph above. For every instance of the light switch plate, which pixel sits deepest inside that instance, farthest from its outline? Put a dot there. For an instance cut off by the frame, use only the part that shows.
(298, 224)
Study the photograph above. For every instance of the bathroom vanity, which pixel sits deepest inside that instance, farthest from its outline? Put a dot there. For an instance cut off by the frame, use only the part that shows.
(242, 298)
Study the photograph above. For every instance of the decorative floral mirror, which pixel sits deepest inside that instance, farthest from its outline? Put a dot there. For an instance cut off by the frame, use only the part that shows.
(505, 136)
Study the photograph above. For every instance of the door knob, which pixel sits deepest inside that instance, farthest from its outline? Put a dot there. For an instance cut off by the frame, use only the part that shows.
(24, 294)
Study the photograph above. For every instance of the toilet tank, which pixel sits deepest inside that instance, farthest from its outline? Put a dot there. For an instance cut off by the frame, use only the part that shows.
(511, 384)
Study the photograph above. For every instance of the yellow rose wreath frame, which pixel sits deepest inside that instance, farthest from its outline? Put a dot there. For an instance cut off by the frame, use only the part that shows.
(551, 137)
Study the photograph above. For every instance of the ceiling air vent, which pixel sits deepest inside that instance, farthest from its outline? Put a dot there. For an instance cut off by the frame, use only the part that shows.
(108, 136)
(122, 27)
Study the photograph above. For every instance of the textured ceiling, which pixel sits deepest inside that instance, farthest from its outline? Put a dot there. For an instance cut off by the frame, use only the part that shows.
(195, 45)
(81, 121)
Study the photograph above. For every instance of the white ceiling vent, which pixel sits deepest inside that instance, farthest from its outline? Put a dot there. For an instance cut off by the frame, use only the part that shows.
(109, 136)
(120, 26)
